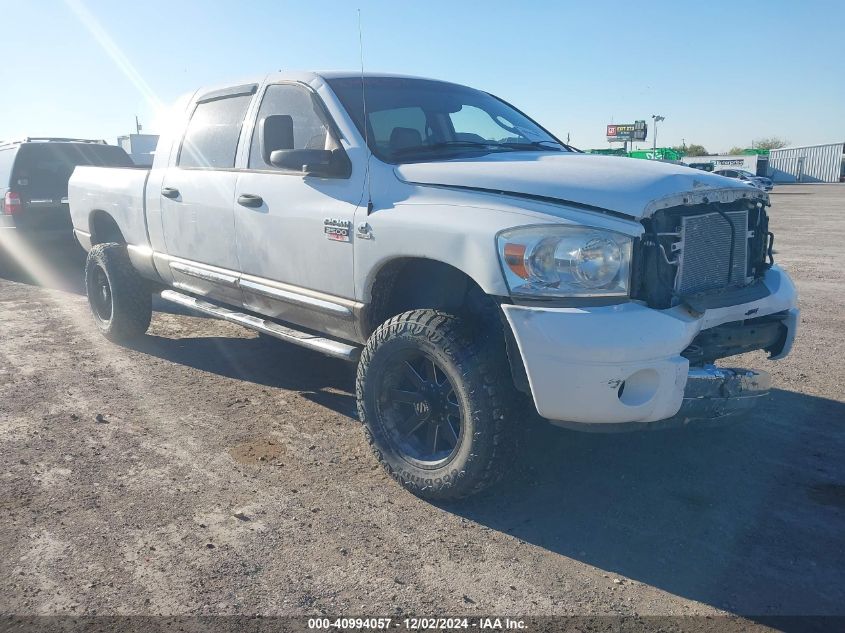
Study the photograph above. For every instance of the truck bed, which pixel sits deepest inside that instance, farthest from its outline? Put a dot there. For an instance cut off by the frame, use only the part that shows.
(119, 191)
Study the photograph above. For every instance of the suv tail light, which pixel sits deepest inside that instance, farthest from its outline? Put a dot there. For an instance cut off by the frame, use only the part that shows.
(12, 203)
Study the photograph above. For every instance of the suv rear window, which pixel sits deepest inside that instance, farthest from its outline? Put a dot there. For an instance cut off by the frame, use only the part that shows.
(42, 170)
(7, 159)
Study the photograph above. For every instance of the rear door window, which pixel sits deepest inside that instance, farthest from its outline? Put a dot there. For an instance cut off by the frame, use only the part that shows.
(211, 139)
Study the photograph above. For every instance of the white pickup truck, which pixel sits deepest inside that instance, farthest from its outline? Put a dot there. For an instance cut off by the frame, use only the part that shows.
(469, 261)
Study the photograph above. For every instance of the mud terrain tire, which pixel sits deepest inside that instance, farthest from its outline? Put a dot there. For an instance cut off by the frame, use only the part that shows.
(480, 390)
(120, 299)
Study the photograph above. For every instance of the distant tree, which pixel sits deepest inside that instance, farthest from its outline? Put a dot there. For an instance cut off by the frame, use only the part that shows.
(736, 150)
(695, 150)
(772, 142)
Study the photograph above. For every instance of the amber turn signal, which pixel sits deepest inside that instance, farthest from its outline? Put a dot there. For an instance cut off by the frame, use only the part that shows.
(515, 259)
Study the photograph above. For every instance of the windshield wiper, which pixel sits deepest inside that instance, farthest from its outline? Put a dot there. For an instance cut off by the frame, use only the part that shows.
(444, 145)
(491, 146)
(535, 145)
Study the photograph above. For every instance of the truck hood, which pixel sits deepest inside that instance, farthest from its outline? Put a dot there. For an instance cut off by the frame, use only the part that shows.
(631, 187)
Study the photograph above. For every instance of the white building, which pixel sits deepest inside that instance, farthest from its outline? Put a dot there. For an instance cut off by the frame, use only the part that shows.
(813, 163)
(140, 147)
(748, 162)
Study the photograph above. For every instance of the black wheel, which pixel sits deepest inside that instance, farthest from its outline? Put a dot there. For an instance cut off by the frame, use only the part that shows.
(120, 299)
(435, 405)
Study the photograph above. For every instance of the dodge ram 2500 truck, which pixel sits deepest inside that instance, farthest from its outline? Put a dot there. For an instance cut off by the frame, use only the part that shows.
(469, 261)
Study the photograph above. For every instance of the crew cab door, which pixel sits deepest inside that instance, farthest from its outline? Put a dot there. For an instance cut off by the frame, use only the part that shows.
(197, 194)
(294, 230)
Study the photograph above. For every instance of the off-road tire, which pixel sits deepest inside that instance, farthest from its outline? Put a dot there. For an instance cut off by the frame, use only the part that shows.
(480, 377)
(130, 294)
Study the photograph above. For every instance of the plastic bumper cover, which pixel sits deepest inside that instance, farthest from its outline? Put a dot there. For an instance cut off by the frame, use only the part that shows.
(622, 363)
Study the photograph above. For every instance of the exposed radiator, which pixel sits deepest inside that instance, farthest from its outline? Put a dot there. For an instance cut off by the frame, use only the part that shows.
(704, 250)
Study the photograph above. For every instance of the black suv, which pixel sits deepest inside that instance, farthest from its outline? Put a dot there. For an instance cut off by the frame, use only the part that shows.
(34, 174)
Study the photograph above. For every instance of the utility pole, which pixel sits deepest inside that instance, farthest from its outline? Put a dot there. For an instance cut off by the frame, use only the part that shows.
(656, 118)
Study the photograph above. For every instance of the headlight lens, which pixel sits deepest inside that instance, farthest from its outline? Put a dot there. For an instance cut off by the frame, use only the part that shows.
(565, 261)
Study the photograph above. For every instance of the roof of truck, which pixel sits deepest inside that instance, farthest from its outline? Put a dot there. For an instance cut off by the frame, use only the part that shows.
(309, 77)
(337, 74)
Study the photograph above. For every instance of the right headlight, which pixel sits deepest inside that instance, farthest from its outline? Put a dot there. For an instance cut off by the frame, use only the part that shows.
(565, 261)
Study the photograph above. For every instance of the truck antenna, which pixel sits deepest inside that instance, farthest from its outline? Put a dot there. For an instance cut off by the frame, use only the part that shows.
(367, 173)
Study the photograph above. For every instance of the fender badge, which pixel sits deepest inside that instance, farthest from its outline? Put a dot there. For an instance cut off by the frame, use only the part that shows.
(337, 230)
(752, 311)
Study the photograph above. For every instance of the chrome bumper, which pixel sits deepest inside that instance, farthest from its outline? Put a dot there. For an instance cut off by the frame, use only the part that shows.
(713, 392)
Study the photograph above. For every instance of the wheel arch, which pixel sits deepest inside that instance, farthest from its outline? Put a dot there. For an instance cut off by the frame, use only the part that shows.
(410, 283)
(104, 228)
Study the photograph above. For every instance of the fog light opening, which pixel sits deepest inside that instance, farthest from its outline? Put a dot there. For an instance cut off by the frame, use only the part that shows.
(639, 387)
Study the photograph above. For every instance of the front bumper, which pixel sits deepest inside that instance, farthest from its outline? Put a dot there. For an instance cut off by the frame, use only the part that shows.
(622, 363)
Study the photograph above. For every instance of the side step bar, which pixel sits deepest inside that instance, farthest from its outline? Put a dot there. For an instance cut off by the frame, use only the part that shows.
(325, 346)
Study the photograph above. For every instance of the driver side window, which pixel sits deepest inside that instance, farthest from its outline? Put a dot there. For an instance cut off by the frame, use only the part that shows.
(310, 130)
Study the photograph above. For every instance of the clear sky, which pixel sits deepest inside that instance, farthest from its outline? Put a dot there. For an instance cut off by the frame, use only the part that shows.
(722, 73)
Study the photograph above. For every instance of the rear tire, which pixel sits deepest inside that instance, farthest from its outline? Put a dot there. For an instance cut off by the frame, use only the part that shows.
(120, 299)
(436, 405)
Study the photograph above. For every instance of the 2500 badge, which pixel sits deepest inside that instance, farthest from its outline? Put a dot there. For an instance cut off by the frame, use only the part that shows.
(337, 230)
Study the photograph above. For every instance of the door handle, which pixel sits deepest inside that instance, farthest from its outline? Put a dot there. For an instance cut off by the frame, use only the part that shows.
(250, 200)
(170, 192)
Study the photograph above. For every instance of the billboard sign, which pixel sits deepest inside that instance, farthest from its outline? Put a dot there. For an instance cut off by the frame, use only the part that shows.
(619, 132)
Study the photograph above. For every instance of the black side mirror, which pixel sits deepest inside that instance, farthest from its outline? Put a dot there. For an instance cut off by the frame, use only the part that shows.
(276, 133)
(311, 162)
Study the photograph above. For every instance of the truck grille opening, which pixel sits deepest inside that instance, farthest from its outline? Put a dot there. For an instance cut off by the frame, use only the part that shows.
(704, 252)
(698, 251)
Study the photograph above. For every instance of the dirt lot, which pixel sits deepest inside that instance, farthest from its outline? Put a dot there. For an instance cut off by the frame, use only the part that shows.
(227, 475)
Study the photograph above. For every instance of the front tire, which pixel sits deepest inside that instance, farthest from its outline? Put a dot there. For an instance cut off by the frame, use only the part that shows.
(435, 404)
(120, 299)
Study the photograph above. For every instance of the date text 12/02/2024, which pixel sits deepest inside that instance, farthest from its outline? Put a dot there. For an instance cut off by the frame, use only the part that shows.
(414, 624)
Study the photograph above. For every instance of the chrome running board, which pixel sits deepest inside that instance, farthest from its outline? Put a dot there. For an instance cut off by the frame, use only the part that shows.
(325, 346)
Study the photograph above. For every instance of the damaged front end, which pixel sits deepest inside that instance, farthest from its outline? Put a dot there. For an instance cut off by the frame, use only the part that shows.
(712, 255)
(703, 287)
(706, 255)
(716, 393)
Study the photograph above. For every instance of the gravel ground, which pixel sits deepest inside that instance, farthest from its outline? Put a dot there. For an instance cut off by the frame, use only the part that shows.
(206, 471)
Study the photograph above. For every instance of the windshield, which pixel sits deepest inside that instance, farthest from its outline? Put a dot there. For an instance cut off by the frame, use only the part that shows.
(420, 119)
(747, 174)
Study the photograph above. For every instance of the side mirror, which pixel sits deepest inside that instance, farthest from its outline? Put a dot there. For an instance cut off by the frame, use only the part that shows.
(311, 162)
(276, 133)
